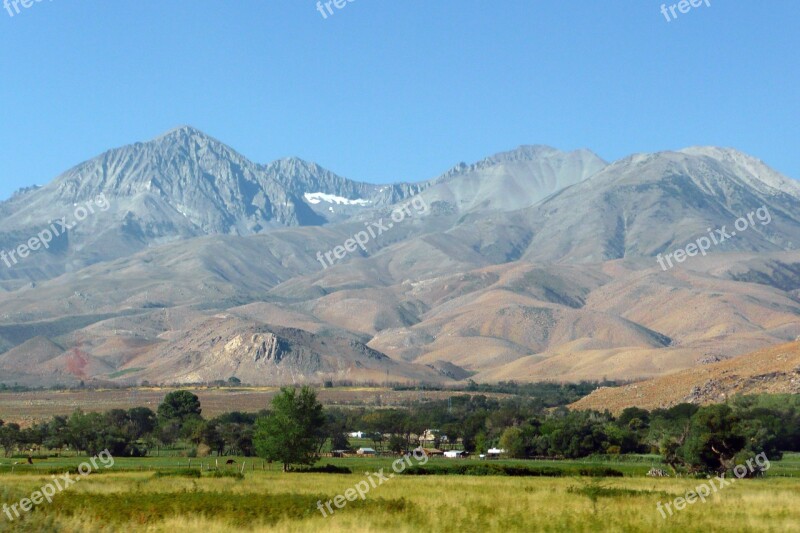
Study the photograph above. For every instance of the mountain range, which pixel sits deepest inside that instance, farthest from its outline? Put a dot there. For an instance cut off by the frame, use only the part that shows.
(532, 264)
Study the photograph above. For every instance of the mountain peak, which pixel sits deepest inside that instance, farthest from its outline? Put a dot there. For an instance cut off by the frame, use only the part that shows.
(750, 168)
(182, 132)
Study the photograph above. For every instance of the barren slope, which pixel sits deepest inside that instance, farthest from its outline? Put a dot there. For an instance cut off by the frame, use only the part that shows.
(772, 370)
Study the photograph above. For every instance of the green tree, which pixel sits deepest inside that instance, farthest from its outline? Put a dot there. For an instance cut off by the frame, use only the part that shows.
(9, 437)
(179, 405)
(513, 442)
(142, 421)
(397, 444)
(339, 441)
(294, 430)
(714, 440)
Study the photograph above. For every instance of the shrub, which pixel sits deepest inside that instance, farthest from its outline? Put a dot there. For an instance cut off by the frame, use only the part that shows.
(183, 472)
(600, 471)
(483, 470)
(327, 469)
(224, 474)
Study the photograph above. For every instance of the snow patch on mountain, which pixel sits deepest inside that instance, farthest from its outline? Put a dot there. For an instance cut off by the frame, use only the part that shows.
(317, 197)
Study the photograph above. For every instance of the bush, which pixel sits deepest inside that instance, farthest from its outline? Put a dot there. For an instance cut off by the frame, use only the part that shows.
(72, 470)
(483, 470)
(327, 469)
(183, 472)
(224, 474)
(600, 471)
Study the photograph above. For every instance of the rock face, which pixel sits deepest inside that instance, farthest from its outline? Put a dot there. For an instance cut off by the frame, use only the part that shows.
(220, 348)
(269, 349)
(260, 346)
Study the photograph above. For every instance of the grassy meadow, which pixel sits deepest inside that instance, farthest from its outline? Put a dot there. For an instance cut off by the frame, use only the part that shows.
(159, 495)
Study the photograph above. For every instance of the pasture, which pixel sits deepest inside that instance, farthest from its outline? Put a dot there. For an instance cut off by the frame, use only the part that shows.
(160, 494)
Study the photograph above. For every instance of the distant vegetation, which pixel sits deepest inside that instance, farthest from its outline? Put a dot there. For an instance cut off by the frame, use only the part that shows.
(14, 388)
(548, 393)
(296, 429)
(551, 394)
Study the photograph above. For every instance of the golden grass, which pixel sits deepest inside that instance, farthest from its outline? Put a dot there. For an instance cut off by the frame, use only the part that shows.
(432, 504)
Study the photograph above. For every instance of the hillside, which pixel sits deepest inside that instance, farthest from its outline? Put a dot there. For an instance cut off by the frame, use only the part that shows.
(771, 370)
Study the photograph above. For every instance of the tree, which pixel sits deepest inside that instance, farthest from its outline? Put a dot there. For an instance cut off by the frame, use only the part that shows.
(397, 444)
(212, 438)
(82, 430)
(714, 440)
(513, 442)
(179, 405)
(142, 421)
(294, 430)
(339, 441)
(57, 433)
(9, 437)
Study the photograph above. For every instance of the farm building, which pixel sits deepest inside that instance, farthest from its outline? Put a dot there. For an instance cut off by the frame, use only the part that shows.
(455, 454)
(432, 435)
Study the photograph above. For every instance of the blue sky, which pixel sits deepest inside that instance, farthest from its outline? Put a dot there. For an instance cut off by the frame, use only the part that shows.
(396, 90)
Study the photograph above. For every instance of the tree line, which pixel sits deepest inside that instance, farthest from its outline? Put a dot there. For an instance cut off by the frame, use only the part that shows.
(295, 429)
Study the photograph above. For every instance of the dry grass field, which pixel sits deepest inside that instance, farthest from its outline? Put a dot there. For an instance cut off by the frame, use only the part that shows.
(272, 501)
(27, 407)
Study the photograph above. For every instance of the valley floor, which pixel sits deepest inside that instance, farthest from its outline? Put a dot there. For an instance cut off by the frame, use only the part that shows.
(127, 499)
(26, 408)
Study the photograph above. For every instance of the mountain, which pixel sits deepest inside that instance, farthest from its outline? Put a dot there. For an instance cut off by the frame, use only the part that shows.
(182, 184)
(645, 205)
(533, 264)
(512, 180)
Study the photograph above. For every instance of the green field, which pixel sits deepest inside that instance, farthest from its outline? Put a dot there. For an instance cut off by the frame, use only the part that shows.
(157, 494)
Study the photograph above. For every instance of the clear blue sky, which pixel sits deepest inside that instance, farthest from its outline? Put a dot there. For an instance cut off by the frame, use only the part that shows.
(396, 90)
